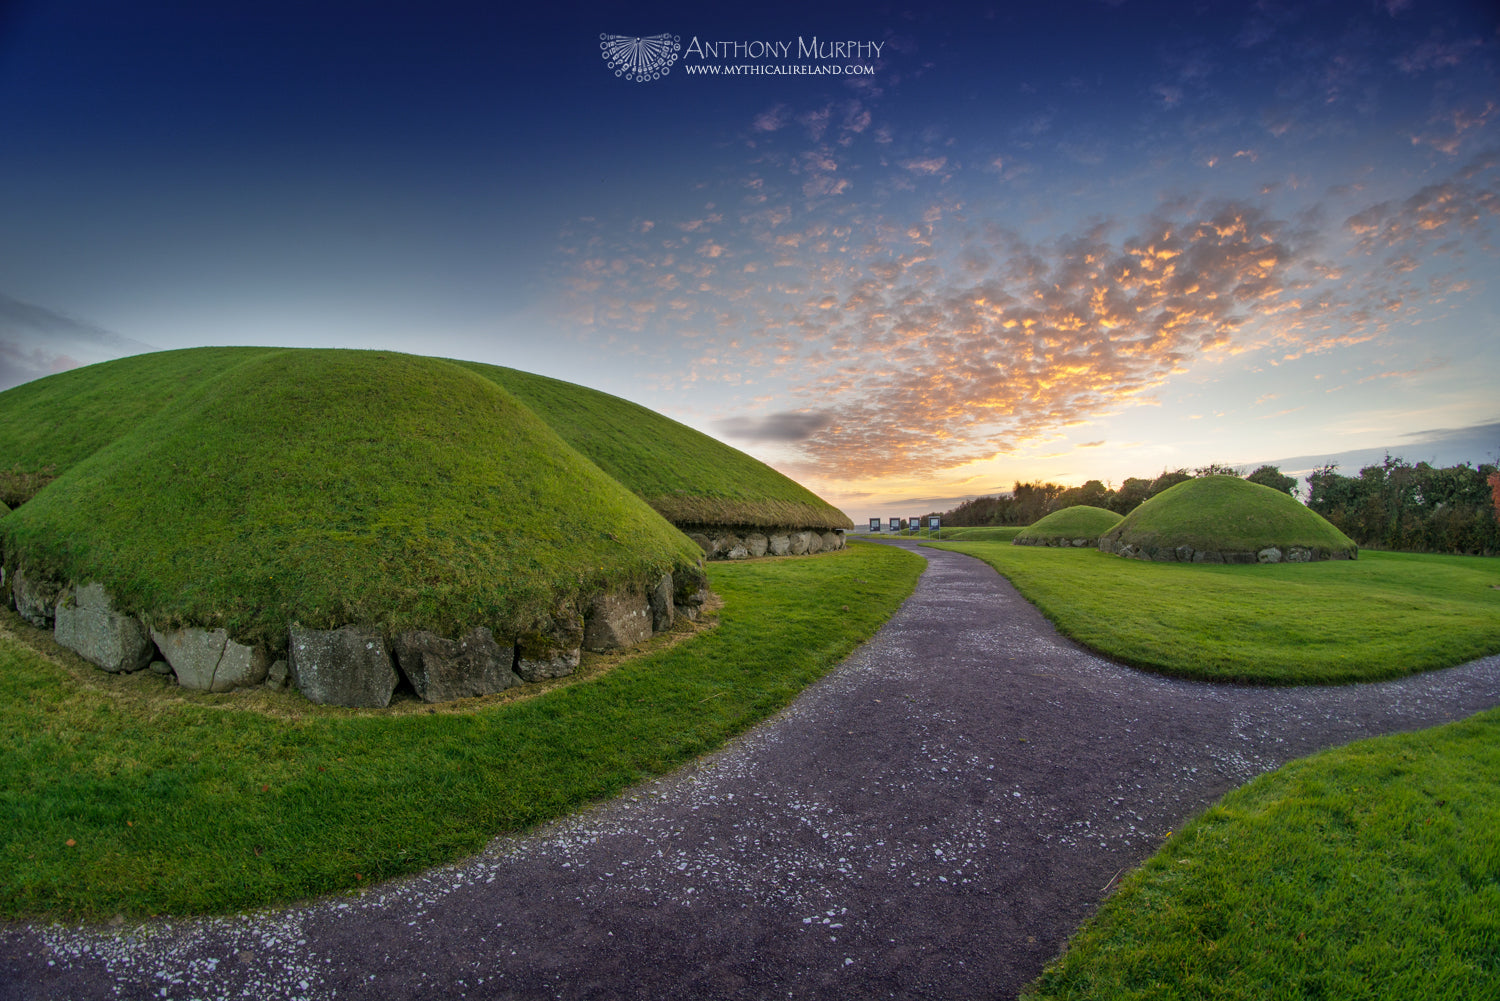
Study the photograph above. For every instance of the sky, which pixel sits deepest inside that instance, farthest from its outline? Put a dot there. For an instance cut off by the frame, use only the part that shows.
(905, 253)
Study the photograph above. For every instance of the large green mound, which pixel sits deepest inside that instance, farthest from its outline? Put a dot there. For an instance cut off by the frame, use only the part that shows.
(685, 475)
(1226, 519)
(690, 478)
(323, 487)
(1081, 521)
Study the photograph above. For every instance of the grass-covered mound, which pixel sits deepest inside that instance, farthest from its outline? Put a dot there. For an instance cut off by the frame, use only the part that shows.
(1081, 521)
(324, 487)
(686, 476)
(53, 423)
(690, 478)
(1225, 519)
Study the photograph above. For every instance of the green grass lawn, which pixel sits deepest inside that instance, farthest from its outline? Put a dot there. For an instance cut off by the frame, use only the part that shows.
(981, 533)
(1370, 871)
(123, 795)
(1382, 616)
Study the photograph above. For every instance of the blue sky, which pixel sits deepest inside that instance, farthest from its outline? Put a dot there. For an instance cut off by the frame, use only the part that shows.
(1073, 240)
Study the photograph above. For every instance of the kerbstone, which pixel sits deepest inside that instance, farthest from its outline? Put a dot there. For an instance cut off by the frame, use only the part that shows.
(617, 620)
(88, 625)
(553, 650)
(208, 660)
(349, 666)
(441, 670)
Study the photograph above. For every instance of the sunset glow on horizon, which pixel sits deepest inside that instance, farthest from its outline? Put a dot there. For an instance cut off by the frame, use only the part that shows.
(1095, 241)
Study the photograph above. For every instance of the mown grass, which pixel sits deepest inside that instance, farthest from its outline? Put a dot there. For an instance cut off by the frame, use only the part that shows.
(1382, 616)
(1368, 871)
(1077, 522)
(330, 487)
(684, 474)
(125, 796)
(1228, 514)
(980, 533)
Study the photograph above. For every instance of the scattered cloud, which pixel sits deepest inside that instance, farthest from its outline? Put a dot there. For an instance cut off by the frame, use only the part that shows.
(788, 426)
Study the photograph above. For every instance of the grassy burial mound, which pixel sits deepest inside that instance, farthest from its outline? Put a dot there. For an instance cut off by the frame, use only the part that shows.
(1224, 519)
(1079, 525)
(347, 511)
(732, 505)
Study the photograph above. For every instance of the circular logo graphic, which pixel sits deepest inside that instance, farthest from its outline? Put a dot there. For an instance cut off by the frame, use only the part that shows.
(640, 57)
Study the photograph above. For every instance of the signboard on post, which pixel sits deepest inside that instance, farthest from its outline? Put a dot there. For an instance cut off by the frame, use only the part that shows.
(934, 524)
(874, 524)
(895, 524)
(915, 524)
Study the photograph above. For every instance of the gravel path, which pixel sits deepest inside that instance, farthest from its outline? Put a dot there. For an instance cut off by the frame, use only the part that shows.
(931, 820)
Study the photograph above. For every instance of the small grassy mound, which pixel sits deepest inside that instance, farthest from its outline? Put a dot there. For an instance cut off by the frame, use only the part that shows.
(1081, 521)
(688, 477)
(330, 487)
(1229, 515)
(1368, 871)
(1387, 615)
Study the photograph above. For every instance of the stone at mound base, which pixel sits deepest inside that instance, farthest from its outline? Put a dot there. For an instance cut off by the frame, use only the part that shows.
(689, 592)
(208, 660)
(616, 620)
(342, 667)
(442, 670)
(87, 625)
(779, 545)
(662, 607)
(36, 600)
(553, 651)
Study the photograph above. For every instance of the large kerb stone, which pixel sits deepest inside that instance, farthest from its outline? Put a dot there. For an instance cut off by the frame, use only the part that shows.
(208, 660)
(349, 666)
(552, 651)
(87, 625)
(442, 670)
(36, 600)
(616, 620)
(662, 604)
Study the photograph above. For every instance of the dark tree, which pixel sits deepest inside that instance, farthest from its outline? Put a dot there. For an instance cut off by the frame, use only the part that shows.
(1273, 477)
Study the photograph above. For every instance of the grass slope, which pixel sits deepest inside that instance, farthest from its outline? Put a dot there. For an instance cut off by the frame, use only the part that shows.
(119, 799)
(684, 474)
(1228, 514)
(64, 418)
(1081, 521)
(1386, 615)
(1370, 871)
(330, 487)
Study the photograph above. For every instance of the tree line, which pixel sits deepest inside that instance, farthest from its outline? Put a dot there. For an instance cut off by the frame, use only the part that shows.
(1394, 505)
